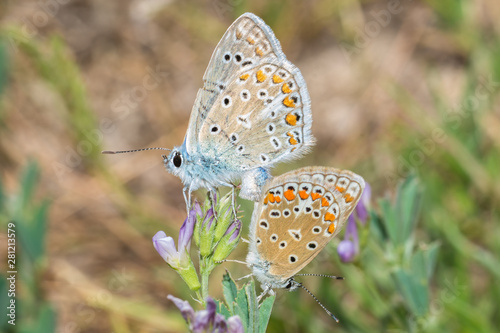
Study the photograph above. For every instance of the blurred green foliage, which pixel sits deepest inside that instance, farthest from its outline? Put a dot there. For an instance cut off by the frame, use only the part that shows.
(26, 217)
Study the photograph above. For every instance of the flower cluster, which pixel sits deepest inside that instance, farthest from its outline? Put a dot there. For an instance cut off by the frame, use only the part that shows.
(215, 232)
(207, 320)
(348, 248)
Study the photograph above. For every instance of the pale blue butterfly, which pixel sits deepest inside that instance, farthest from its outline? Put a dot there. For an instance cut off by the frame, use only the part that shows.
(298, 214)
(252, 112)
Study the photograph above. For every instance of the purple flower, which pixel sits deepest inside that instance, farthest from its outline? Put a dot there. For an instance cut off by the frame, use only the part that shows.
(220, 324)
(234, 325)
(186, 309)
(165, 245)
(207, 320)
(204, 319)
(179, 258)
(348, 249)
(364, 204)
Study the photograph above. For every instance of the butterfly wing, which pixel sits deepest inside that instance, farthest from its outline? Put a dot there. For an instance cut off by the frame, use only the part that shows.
(260, 113)
(235, 51)
(300, 212)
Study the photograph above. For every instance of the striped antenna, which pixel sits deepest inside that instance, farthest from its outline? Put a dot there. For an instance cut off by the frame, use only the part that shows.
(131, 151)
(323, 275)
(317, 301)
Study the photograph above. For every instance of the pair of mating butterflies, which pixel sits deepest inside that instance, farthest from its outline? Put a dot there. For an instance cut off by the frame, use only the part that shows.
(253, 112)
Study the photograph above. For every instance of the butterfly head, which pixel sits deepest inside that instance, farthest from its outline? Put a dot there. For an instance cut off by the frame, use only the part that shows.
(291, 284)
(175, 161)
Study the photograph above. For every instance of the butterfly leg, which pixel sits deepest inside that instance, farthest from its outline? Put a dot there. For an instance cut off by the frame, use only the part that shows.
(244, 277)
(233, 200)
(267, 290)
(186, 191)
(252, 183)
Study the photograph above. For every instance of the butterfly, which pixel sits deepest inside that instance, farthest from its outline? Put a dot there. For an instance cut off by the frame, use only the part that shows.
(252, 112)
(298, 214)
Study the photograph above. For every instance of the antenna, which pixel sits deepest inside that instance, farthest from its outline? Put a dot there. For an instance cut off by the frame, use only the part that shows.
(323, 275)
(131, 151)
(317, 301)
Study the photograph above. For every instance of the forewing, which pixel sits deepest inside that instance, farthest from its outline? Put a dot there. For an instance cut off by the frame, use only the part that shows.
(300, 212)
(245, 43)
(263, 117)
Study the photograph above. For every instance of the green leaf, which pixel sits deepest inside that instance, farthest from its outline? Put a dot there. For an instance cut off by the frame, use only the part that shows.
(28, 183)
(389, 219)
(418, 267)
(4, 303)
(45, 321)
(377, 228)
(241, 308)
(265, 313)
(430, 254)
(229, 290)
(222, 309)
(253, 314)
(407, 205)
(414, 292)
(400, 218)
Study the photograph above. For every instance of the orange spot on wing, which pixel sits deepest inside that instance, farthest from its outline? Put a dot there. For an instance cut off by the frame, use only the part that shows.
(250, 40)
(331, 228)
(324, 203)
(289, 195)
(329, 217)
(303, 195)
(270, 197)
(259, 52)
(266, 200)
(277, 199)
(348, 198)
(291, 119)
(244, 77)
(286, 89)
(315, 196)
(288, 102)
(293, 141)
(277, 79)
(260, 76)
(340, 189)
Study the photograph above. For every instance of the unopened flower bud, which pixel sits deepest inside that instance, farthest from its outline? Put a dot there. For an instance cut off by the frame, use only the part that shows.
(228, 241)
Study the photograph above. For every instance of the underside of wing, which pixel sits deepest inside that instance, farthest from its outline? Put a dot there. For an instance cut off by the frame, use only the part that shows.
(263, 117)
(245, 43)
(301, 211)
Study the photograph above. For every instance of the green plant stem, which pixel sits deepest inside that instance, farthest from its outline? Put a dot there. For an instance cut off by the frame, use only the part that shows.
(206, 267)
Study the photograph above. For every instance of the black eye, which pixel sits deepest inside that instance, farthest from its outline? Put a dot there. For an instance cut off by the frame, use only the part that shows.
(289, 285)
(177, 160)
